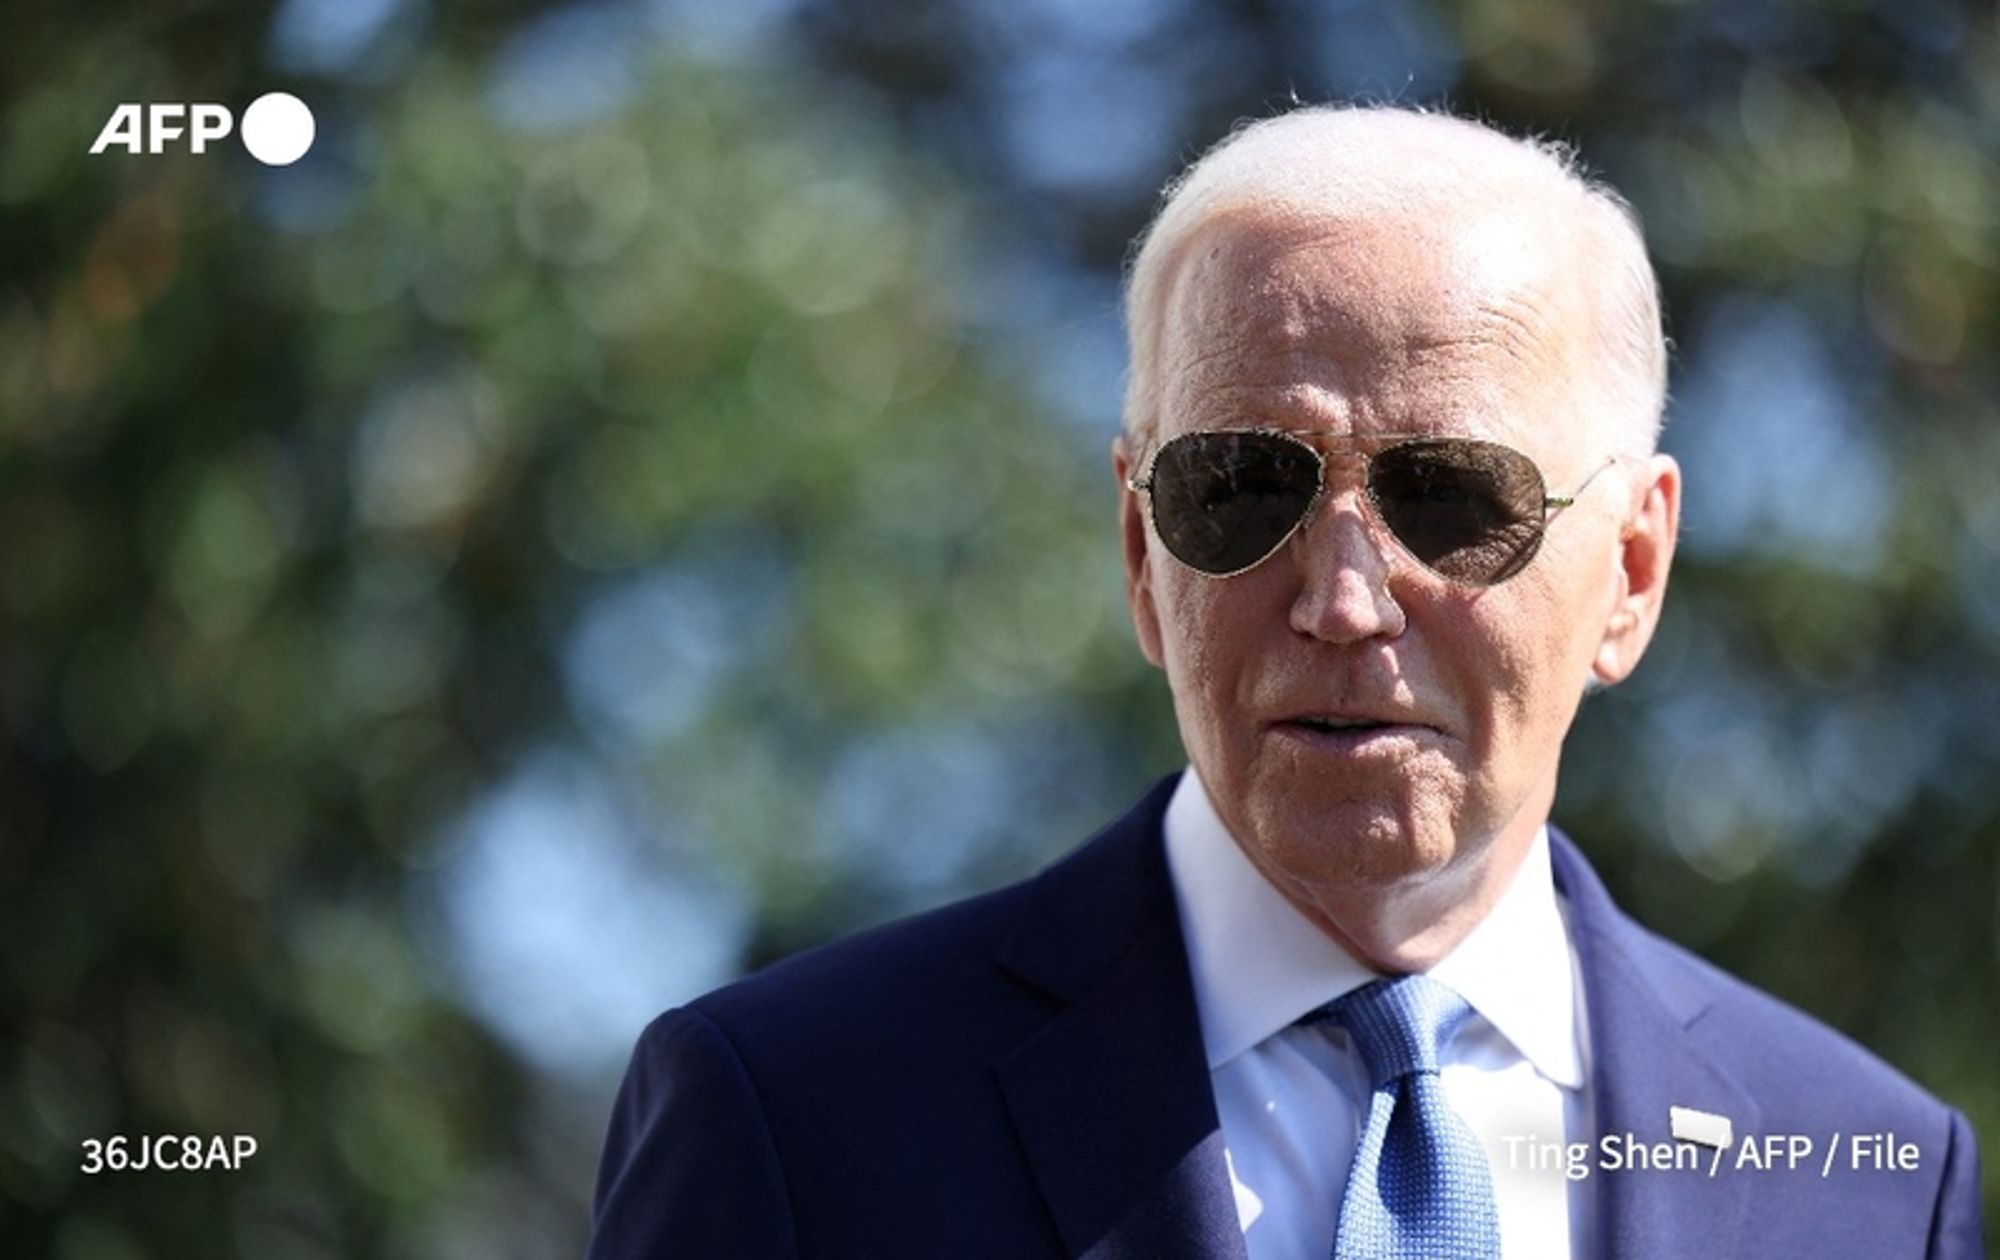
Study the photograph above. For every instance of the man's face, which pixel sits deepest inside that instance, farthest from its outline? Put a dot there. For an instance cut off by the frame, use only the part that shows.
(1464, 328)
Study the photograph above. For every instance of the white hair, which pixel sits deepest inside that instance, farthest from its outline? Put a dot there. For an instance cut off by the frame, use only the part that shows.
(1320, 163)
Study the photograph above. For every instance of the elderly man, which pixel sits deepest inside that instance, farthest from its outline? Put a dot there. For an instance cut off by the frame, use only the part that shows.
(1390, 503)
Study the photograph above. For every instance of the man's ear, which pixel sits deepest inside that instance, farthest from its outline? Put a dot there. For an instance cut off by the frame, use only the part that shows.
(1645, 554)
(1138, 556)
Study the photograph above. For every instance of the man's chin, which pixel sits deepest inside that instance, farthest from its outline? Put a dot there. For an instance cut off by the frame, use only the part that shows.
(1357, 847)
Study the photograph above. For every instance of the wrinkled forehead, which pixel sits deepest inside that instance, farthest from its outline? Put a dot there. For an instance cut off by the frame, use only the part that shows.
(1265, 299)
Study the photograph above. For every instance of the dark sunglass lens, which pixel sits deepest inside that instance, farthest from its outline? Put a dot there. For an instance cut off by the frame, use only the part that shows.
(1472, 511)
(1224, 501)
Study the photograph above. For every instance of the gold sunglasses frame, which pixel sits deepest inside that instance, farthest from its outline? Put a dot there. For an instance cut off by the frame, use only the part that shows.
(1311, 443)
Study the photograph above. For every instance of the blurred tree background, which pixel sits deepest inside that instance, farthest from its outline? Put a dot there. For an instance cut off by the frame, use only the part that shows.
(633, 502)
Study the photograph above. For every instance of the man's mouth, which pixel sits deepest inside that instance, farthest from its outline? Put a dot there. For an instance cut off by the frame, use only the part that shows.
(1354, 732)
(1333, 725)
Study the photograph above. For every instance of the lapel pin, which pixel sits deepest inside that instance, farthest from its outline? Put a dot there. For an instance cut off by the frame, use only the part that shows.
(1703, 1127)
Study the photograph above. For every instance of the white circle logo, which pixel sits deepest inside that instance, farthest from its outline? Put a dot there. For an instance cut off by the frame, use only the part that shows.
(277, 129)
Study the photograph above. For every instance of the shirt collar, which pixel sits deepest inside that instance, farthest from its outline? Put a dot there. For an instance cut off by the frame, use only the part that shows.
(1258, 964)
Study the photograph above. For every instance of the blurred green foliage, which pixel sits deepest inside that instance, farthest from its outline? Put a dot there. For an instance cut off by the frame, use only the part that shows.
(300, 521)
(700, 404)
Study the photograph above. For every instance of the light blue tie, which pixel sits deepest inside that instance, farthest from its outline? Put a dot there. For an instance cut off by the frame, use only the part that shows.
(1420, 1188)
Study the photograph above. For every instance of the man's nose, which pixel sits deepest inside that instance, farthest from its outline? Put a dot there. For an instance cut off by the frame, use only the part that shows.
(1344, 566)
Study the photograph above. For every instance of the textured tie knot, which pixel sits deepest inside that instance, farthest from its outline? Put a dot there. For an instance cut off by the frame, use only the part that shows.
(1400, 1026)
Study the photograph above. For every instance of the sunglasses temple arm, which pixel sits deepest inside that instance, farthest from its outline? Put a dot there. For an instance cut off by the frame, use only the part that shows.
(1556, 502)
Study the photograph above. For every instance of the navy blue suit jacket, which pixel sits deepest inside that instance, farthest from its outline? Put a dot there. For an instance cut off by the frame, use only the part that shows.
(1021, 1075)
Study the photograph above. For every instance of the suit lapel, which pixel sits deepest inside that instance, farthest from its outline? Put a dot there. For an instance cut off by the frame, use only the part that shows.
(1111, 1098)
(1642, 1003)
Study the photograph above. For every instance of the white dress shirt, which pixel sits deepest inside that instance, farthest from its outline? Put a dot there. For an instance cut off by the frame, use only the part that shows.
(1291, 1099)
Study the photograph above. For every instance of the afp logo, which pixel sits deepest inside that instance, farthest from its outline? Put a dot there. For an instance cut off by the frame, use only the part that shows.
(277, 128)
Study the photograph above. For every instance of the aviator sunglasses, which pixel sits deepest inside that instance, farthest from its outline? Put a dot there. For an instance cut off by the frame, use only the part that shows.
(1471, 511)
